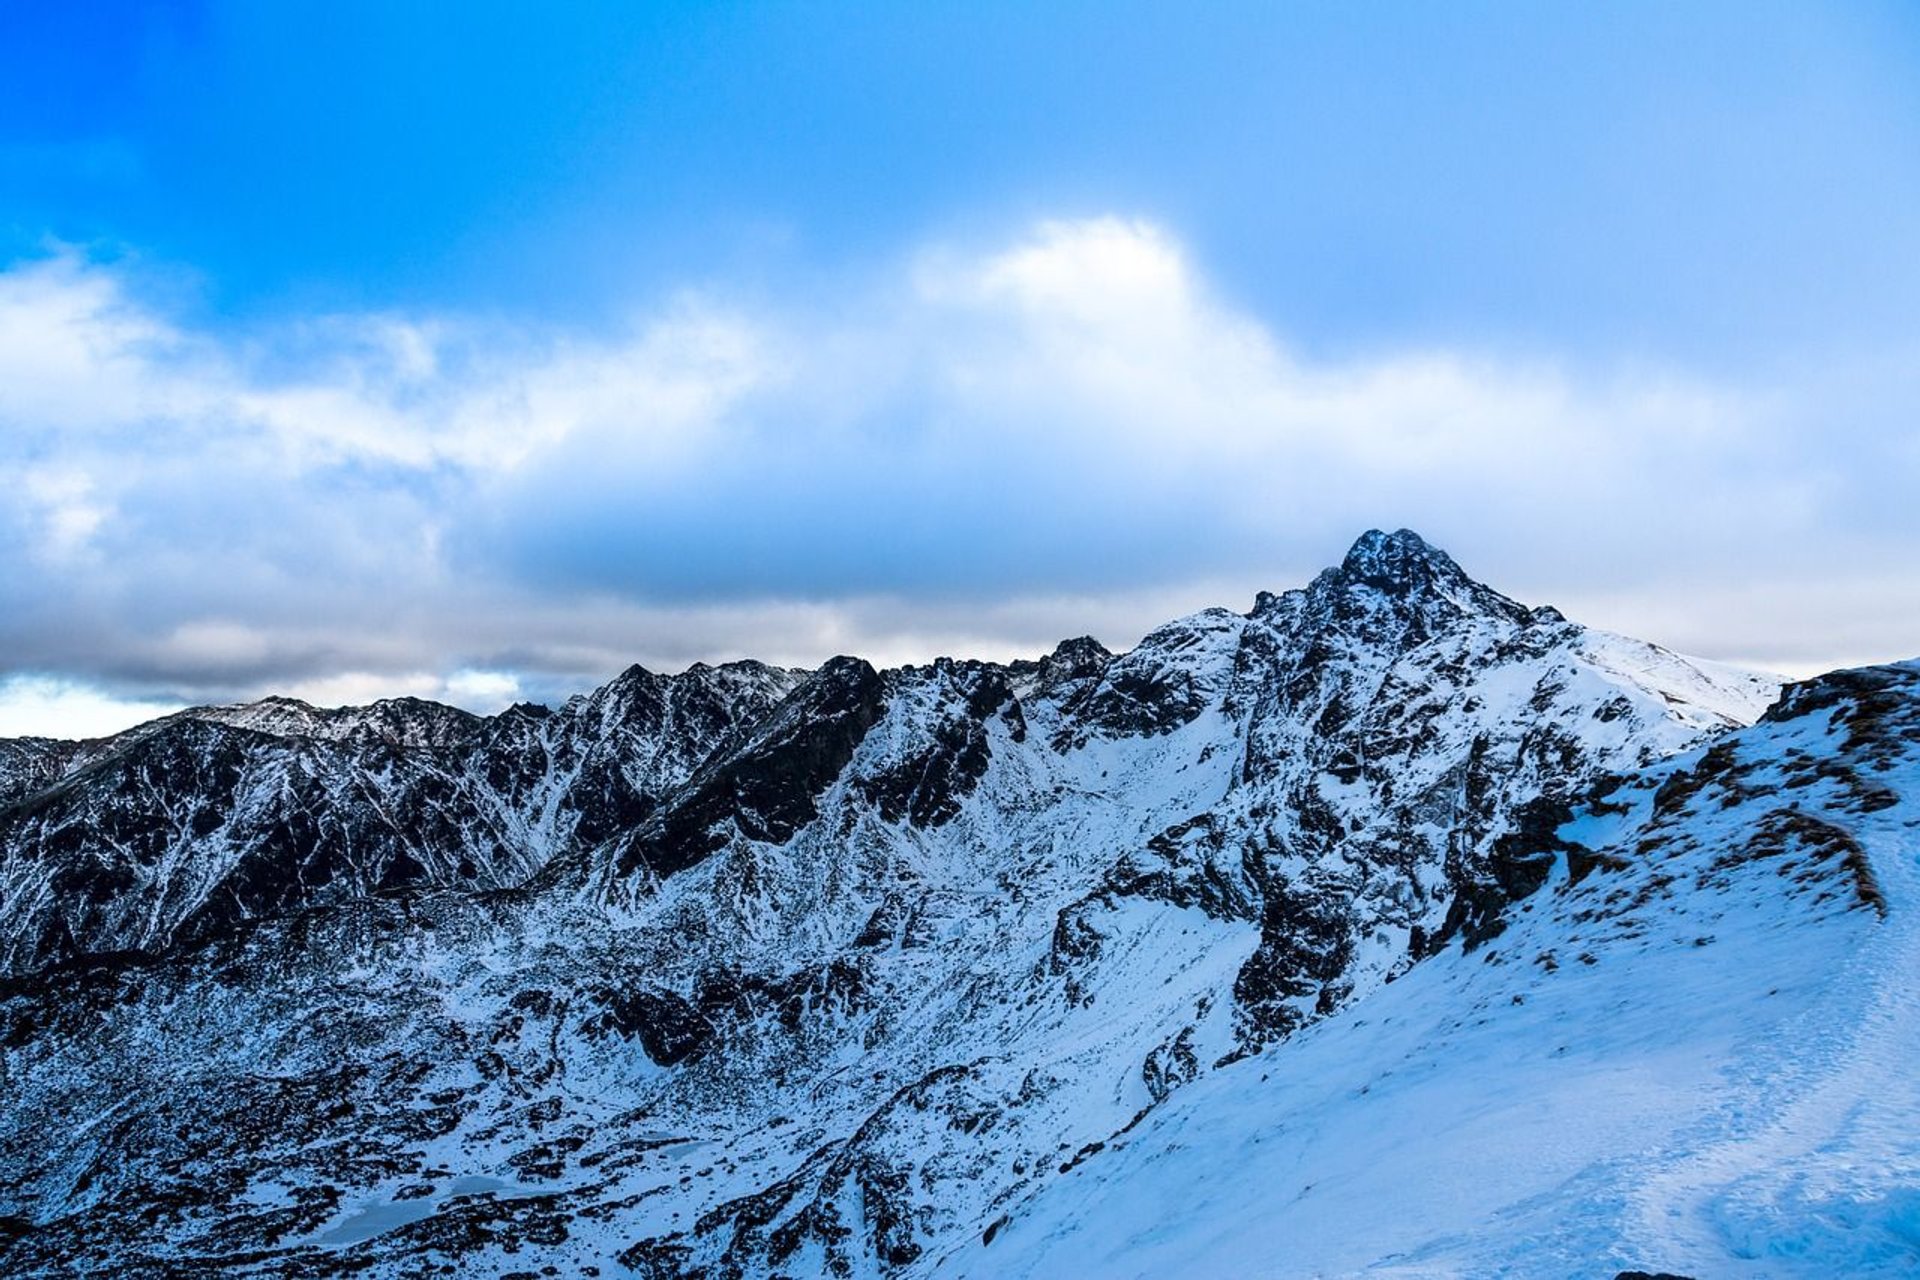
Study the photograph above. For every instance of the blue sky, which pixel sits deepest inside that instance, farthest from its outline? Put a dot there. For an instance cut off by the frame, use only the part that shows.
(355, 349)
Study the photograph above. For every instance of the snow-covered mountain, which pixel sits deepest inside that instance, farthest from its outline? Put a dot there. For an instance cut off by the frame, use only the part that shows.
(1101, 964)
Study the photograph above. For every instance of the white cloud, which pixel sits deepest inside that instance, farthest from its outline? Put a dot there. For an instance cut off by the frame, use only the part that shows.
(483, 692)
(69, 511)
(967, 449)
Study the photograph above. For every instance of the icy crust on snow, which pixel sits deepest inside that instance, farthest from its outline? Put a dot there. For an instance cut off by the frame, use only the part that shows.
(876, 973)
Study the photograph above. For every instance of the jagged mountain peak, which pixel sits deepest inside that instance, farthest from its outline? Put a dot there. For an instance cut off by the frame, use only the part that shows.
(1077, 660)
(1077, 656)
(1399, 579)
(1376, 552)
(1403, 566)
(1392, 591)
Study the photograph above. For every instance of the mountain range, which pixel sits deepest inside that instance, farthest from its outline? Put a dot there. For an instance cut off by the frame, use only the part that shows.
(1389, 927)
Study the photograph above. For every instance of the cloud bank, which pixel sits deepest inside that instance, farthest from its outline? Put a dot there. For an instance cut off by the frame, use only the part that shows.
(972, 447)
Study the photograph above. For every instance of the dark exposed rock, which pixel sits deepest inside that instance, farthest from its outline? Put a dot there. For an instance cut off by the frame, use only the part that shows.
(1170, 1065)
(927, 786)
(1152, 690)
(1306, 944)
(767, 789)
(1072, 663)
(1517, 866)
(669, 1028)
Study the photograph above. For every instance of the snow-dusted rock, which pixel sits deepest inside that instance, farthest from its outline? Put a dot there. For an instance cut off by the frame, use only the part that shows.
(206, 820)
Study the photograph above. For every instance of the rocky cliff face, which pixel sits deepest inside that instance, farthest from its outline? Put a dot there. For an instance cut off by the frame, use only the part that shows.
(745, 971)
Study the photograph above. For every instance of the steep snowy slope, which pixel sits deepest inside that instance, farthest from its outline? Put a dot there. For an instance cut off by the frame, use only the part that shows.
(854, 978)
(1691, 1051)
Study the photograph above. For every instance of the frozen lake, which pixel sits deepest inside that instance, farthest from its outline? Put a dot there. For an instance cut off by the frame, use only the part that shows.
(376, 1218)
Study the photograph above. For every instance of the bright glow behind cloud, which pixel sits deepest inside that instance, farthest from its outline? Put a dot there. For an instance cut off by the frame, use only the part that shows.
(41, 706)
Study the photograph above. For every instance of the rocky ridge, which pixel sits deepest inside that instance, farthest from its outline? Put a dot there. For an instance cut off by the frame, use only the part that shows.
(217, 816)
